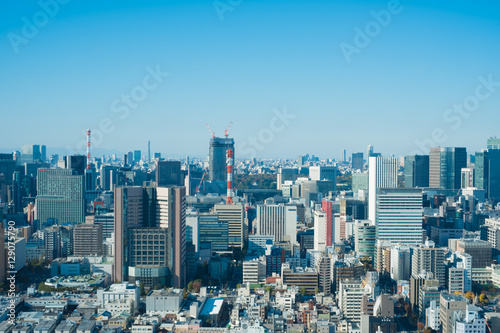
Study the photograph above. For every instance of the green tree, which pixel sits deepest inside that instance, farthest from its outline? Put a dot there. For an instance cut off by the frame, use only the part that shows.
(303, 291)
(469, 295)
(190, 286)
(483, 299)
(141, 288)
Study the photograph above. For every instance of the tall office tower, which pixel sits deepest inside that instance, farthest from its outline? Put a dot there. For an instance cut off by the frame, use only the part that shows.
(400, 262)
(481, 171)
(285, 174)
(343, 155)
(171, 214)
(359, 182)
(323, 267)
(129, 214)
(479, 250)
(169, 173)
(150, 267)
(60, 196)
(327, 208)
(137, 156)
(277, 220)
(493, 174)
(365, 238)
(87, 240)
(323, 173)
(78, 163)
(274, 261)
(234, 215)
(487, 172)
(445, 167)
(399, 215)
(107, 220)
(52, 243)
(106, 176)
(193, 229)
(7, 167)
(369, 152)
(449, 306)
(217, 158)
(31, 169)
(429, 258)
(467, 178)
(89, 174)
(43, 153)
(320, 230)
(416, 171)
(213, 231)
(30, 153)
(152, 211)
(302, 159)
(493, 143)
(357, 161)
(460, 274)
(351, 294)
(383, 173)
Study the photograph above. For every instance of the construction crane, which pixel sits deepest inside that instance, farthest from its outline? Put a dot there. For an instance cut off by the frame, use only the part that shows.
(201, 181)
(211, 132)
(226, 132)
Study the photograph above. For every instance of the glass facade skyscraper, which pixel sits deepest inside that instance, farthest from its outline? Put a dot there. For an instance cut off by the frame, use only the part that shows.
(445, 167)
(217, 158)
(399, 215)
(60, 195)
(213, 231)
(416, 171)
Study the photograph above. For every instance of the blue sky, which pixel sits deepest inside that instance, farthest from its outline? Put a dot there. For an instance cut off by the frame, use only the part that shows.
(261, 56)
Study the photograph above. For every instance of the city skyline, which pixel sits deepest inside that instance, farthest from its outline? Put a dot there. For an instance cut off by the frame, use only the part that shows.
(197, 63)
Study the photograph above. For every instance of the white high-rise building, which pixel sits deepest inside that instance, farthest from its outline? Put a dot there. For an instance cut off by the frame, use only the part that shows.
(278, 221)
(254, 270)
(383, 173)
(399, 215)
(400, 263)
(350, 297)
(467, 177)
(429, 258)
(432, 316)
(319, 230)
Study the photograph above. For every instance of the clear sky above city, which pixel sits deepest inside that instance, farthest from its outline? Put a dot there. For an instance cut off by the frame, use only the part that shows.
(294, 77)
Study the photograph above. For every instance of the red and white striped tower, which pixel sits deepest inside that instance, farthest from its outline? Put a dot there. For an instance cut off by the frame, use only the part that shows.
(88, 149)
(230, 164)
